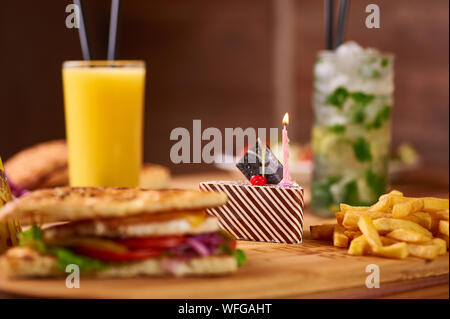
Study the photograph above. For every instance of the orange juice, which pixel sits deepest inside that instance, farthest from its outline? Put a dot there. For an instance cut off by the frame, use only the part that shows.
(104, 105)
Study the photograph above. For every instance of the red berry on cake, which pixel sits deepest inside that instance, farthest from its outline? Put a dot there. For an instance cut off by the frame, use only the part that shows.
(258, 180)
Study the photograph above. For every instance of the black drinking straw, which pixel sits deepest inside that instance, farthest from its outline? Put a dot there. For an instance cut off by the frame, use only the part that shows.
(343, 8)
(82, 32)
(329, 24)
(114, 19)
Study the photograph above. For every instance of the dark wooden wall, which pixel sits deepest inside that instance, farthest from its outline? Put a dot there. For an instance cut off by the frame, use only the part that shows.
(214, 60)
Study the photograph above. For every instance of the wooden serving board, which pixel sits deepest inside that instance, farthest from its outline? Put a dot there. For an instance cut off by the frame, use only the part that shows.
(272, 271)
(313, 269)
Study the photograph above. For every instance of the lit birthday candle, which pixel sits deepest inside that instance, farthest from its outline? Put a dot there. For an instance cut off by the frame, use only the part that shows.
(286, 176)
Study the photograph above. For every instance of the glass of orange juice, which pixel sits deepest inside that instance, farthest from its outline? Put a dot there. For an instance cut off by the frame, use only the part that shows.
(104, 106)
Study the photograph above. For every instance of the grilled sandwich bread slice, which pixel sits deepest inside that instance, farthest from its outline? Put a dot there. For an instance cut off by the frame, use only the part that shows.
(24, 262)
(78, 203)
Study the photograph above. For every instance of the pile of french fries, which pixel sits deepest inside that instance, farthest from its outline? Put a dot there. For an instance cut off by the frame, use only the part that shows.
(394, 227)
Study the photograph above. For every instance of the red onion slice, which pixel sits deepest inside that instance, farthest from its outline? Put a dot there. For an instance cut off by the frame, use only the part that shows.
(199, 247)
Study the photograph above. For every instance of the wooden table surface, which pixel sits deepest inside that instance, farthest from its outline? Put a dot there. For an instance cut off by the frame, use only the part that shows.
(434, 183)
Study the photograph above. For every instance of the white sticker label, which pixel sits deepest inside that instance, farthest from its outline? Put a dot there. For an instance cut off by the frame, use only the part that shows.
(373, 280)
(73, 279)
(373, 19)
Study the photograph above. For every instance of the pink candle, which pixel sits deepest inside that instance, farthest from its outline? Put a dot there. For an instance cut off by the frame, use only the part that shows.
(286, 175)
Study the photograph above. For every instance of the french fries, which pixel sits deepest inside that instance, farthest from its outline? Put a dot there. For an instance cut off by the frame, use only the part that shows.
(439, 215)
(406, 208)
(352, 217)
(339, 238)
(443, 227)
(370, 232)
(410, 236)
(358, 246)
(383, 205)
(441, 244)
(340, 217)
(322, 232)
(431, 204)
(391, 195)
(429, 252)
(394, 227)
(395, 251)
(352, 234)
(423, 219)
(386, 241)
(344, 208)
(444, 238)
(386, 225)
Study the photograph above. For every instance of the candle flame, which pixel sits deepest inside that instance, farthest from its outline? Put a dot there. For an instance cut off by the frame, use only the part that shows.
(286, 119)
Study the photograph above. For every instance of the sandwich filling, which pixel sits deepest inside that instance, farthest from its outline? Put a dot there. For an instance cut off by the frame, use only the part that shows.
(95, 245)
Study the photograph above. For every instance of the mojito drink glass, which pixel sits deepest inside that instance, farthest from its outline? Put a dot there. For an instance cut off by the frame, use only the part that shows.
(352, 101)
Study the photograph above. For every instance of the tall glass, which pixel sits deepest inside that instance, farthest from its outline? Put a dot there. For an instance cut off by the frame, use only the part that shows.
(352, 100)
(104, 105)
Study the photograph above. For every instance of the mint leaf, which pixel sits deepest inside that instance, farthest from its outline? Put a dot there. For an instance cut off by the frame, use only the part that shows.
(377, 183)
(384, 62)
(337, 98)
(351, 194)
(338, 128)
(362, 98)
(358, 113)
(240, 256)
(358, 110)
(361, 150)
(382, 116)
(321, 191)
(369, 72)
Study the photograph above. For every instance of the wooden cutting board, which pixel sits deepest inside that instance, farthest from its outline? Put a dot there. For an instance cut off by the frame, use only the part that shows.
(272, 271)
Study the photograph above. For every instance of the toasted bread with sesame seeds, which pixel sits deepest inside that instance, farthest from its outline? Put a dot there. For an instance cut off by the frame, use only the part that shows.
(78, 203)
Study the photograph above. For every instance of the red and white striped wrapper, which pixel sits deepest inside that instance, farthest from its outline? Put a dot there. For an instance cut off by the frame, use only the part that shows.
(270, 213)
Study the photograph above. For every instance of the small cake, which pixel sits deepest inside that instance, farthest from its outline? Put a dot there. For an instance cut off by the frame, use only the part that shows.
(261, 209)
(270, 213)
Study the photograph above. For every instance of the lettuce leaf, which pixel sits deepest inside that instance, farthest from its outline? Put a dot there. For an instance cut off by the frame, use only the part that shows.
(239, 254)
(33, 238)
(67, 257)
(34, 232)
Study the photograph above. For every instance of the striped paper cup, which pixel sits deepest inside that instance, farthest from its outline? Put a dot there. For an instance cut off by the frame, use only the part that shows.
(268, 213)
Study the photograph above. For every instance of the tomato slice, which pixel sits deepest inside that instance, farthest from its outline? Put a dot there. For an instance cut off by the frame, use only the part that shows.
(152, 242)
(232, 244)
(131, 255)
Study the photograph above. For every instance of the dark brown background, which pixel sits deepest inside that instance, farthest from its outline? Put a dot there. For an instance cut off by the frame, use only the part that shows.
(215, 61)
